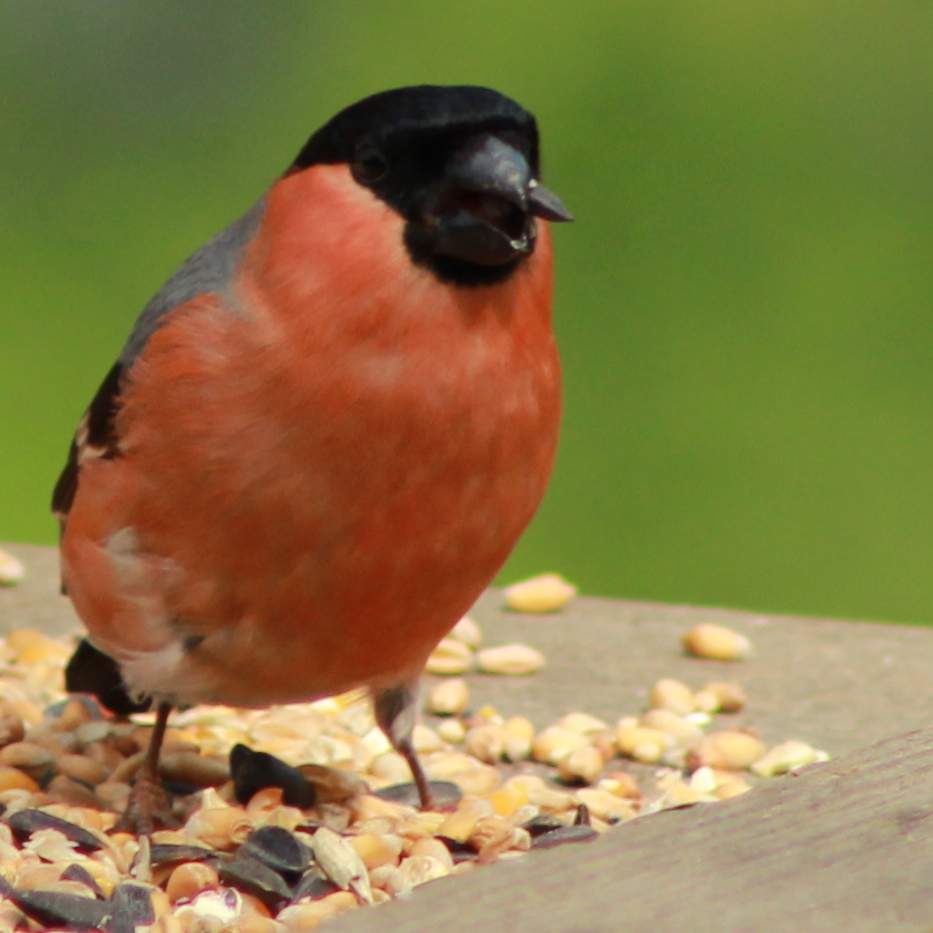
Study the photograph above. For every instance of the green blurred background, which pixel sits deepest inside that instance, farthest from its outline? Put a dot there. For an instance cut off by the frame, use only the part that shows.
(744, 304)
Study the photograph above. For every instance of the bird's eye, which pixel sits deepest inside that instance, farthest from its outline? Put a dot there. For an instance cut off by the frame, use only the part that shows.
(369, 166)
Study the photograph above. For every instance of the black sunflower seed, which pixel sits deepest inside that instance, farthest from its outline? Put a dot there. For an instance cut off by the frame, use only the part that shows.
(277, 848)
(565, 834)
(543, 823)
(314, 884)
(25, 822)
(459, 851)
(77, 872)
(57, 909)
(251, 876)
(170, 852)
(252, 771)
(131, 906)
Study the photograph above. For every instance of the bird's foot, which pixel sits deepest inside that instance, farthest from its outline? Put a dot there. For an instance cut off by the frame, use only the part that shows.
(396, 710)
(149, 808)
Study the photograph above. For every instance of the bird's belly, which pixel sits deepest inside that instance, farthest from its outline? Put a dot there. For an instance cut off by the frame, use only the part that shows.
(324, 533)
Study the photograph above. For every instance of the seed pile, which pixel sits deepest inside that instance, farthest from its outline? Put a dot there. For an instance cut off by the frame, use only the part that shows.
(294, 814)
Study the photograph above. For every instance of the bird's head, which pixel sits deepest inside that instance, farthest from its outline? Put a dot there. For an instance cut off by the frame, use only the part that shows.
(459, 164)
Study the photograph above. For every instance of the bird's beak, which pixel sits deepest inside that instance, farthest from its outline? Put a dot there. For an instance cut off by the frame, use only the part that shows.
(490, 166)
(489, 198)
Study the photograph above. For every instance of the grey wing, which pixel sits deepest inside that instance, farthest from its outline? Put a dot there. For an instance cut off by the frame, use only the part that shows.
(209, 270)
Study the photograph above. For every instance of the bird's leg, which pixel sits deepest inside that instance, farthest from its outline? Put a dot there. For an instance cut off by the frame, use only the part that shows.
(148, 800)
(396, 709)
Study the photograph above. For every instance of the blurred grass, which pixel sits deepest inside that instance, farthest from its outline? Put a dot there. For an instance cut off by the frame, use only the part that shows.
(744, 304)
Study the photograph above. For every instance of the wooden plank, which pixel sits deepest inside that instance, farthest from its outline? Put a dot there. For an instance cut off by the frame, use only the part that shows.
(36, 602)
(844, 846)
(837, 685)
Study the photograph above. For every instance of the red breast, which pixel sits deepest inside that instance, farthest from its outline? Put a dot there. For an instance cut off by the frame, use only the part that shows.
(332, 472)
(328, 430)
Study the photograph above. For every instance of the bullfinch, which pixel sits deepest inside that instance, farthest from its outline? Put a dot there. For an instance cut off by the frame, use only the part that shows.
(327, 430)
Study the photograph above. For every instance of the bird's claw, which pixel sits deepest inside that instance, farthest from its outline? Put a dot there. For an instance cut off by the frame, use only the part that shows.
(149, 808)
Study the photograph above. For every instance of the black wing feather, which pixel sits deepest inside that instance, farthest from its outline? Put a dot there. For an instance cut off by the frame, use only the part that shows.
(96, 436)
(91, 671)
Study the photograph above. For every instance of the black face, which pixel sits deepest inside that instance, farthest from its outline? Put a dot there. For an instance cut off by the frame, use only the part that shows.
(459, 164)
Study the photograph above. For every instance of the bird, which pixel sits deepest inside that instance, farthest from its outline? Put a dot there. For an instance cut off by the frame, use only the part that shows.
(328, 429)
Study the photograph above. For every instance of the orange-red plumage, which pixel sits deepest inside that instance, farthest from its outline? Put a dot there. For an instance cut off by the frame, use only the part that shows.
(333, 472)
(320, 462)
